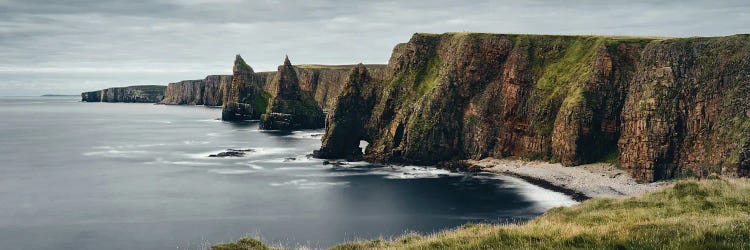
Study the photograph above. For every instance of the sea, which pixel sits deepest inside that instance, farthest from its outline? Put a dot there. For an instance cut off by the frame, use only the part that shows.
(77, 175)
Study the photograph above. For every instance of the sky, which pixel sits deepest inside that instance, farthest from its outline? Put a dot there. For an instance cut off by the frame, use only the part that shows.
(71, 46)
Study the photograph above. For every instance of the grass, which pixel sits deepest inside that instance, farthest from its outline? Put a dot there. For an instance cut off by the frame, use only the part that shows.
(561, 76)
(242, 244)
(261, 102)
(708, 214)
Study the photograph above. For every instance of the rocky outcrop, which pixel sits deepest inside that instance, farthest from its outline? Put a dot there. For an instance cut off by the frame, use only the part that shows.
(673, 105)
(250, 94)
(140, 93)
(246, 99)
(211, 91)
(291, 108)
(344, 124)
(688, 109)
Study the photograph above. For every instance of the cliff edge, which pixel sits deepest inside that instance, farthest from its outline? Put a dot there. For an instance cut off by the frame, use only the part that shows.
(661, 107)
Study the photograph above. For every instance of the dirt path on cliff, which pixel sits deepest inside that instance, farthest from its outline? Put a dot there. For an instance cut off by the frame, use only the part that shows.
(581, 182)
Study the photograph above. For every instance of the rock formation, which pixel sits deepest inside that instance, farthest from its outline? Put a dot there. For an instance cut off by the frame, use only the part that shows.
(246, 100)
(211, 91)
(250, 95)
(291, 108)
(687, 109)
(140, 93)
(676, 106)
(343, 124)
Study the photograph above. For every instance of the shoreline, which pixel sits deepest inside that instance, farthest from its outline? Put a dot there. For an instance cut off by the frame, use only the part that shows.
(580, 182)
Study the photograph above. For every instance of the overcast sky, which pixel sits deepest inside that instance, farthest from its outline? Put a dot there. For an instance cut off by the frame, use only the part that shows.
(69, 46)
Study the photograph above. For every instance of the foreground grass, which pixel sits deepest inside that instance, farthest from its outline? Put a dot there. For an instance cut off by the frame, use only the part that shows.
(709, 214)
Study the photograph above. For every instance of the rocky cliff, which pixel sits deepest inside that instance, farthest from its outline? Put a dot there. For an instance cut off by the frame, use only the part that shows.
(687, 110)
(211, 91)
(664, 107)
(251, 92)
(290, 108)
(140, 93)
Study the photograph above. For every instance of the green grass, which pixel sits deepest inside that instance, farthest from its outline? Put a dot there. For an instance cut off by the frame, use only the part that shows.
(709, 214)
(242, 244)
(260, 102)
(561, 76)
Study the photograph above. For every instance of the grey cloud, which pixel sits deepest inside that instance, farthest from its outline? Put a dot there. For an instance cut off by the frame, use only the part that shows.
(71, 46)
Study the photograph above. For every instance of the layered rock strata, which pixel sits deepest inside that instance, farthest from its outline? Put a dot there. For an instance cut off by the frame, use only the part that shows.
(660, 107)
(211, 91)
(290, 108)
(251, 92)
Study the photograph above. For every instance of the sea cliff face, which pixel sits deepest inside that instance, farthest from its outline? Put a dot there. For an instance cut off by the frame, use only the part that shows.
(140, 93)
(663, 107)
(251, 92)
(687, 110)
(211, 91)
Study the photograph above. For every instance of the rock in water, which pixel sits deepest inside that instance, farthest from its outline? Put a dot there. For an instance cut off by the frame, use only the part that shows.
(232, 153)
(246, 99)
(663, 107)
(291, 108)
(345, 124)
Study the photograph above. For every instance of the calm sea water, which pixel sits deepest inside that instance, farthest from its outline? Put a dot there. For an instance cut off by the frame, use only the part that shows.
(136, 176)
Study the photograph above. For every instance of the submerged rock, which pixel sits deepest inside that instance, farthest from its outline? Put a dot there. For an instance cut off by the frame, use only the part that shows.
(232, 153)
(335, 163)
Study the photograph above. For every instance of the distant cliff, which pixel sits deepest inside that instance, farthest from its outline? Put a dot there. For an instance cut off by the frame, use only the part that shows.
(140, 93)
(211, 91)
(251, 92)
(664, 107)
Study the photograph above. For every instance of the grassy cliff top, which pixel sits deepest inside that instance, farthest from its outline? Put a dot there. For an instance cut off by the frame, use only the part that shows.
(317, 67)
(343, 66)
(614, 37)
(623, 38)
(707, 214)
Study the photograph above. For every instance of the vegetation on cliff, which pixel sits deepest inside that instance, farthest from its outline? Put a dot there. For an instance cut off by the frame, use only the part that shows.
(290, 107)
(709, 214)
(661, 107)
(251, 93)
(690, 214)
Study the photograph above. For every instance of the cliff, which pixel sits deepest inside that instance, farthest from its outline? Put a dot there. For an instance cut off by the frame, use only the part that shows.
(251, 92)
(211, 91)
(140, 93)
(664, 107)
(688, 108)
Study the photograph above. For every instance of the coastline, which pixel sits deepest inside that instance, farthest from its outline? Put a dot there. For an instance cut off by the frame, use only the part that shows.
(581, 182)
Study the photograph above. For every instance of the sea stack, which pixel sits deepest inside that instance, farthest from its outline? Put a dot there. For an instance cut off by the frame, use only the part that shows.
(344, 124)
(291, 108)
(245, 101)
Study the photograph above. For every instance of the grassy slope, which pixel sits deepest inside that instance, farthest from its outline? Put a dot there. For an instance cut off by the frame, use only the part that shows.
(711, 214)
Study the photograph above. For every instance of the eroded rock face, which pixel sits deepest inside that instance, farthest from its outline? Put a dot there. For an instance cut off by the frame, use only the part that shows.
(246, 100)
(140, 93)
(291, 108)
(345, 124)
(211, 91)
(674, 105)
(251, 95)
(688, 109)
